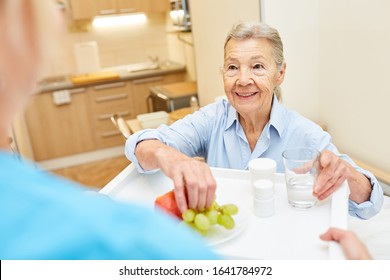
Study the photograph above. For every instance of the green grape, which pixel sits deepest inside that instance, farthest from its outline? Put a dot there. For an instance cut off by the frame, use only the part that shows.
(212, 215)
(229, 209)
(226, 221)
(188, 215)
(215, 206)
(202, 222)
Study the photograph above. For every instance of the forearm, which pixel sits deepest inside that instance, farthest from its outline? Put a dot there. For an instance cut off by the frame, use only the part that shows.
(150, 154)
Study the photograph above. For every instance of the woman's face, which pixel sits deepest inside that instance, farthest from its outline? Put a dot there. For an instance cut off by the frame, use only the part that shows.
(250, 75)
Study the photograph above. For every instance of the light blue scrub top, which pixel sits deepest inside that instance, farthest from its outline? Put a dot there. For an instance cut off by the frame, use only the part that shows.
(45, 217)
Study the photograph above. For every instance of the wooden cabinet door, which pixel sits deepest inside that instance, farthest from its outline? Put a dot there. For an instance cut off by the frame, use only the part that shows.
(83, 9)
(105, 7)
(57, 131)
(141, 89)
(158, 6)
(130, 6)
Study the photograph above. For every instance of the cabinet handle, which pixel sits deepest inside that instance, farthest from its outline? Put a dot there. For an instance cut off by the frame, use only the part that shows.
(107, 12)
(108, 116)
(127, 10)
(77, 90)
(112, 85)
(148, 80)
(110, 134)
(112, 97)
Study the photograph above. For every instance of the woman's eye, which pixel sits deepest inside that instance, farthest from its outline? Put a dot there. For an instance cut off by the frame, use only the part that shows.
(258, 66)
(232, 67)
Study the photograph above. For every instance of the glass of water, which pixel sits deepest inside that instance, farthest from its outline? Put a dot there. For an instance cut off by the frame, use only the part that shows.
(301, 169)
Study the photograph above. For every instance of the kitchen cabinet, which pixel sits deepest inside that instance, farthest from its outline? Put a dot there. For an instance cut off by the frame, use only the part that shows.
(106, 100)
(57, 131)
(84, 125)
(83, 9)
(141, 89)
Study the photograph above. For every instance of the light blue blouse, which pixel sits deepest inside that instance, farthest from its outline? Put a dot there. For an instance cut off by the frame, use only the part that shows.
(215, 133)
(45, 217)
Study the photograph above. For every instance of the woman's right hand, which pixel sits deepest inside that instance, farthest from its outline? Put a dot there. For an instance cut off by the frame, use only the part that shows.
(194, 184)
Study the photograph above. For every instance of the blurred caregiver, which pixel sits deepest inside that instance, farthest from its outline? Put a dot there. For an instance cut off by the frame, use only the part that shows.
(252, 124)
(45, 217)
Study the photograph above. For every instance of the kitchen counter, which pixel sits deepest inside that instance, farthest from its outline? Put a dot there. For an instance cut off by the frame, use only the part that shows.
(65, 82)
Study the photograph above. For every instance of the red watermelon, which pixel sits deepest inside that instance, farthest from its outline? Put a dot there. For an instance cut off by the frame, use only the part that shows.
(167, 203)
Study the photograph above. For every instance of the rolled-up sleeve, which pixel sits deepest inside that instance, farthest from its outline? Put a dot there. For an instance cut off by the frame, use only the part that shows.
(188, 135)
(369, 208)
(366, 209)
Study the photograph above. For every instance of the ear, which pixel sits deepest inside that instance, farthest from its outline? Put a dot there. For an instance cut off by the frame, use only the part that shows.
(280, 74)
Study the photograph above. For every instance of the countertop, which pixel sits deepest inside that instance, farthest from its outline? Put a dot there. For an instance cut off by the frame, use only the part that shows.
(64, 82)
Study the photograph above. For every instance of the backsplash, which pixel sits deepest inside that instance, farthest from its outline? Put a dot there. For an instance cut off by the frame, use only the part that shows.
(116, 45)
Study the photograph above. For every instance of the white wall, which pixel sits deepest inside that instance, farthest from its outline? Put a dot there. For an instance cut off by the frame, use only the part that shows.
(211, 20)
(338, 57)
(297, 23)
(355, 71)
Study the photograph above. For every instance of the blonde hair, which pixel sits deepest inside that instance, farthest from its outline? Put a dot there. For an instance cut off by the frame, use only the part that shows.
(254, 30)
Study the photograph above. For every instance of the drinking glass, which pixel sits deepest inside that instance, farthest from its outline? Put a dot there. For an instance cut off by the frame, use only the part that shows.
(301, 169)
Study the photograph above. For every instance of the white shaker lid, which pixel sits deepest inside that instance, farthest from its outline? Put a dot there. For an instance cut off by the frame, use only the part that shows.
(263, 189)
(262, 166)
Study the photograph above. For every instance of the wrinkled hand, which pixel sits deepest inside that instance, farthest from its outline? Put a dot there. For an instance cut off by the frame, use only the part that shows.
(333, 171)
(353, 248)
(194, 185)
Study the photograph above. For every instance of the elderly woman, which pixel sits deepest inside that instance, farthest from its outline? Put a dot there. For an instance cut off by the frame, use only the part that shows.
(45, 217)
(252, 124)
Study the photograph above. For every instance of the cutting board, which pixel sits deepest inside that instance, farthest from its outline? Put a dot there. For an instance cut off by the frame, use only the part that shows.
(87, 57)
(94, 78)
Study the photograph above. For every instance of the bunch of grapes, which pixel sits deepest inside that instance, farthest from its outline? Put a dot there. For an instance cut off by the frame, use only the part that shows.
(215, 215)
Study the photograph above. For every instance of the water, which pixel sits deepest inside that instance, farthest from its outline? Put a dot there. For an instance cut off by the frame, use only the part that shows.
(300, 191)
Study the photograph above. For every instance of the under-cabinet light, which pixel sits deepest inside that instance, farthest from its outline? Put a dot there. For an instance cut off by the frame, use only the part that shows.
(116, 20)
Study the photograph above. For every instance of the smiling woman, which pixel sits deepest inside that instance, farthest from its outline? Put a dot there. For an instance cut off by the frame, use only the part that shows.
(252, 124)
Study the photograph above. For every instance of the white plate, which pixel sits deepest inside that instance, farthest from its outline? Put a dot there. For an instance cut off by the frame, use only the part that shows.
(218, 234)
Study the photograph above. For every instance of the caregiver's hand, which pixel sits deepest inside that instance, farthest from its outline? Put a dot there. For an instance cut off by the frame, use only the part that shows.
(333, 171)
(353, 248)
(194, 185)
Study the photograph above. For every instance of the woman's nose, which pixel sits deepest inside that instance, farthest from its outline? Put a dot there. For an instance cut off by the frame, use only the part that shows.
(244, 77)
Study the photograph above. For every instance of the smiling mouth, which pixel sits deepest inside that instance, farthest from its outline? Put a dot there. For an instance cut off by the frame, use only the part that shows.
(246, 94)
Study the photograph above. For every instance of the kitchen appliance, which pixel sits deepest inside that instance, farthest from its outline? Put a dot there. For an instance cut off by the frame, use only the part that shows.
(180, 15)
(171, 97)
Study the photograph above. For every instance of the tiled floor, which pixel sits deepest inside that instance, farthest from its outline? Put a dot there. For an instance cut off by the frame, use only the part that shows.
(96, 174)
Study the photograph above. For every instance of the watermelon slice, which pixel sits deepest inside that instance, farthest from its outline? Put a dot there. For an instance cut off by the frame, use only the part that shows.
(167, 203)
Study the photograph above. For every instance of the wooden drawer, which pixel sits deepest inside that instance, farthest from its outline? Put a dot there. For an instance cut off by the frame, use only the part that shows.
(111, 98)
(107, 135)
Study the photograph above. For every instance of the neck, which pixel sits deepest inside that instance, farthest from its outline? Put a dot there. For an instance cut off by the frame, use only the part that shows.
(256, 121)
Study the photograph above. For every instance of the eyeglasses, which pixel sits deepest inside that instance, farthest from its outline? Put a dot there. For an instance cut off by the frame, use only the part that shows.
(233, 70)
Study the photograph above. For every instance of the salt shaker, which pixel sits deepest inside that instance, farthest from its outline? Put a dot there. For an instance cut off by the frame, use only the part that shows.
(264, 198)
(262, 168)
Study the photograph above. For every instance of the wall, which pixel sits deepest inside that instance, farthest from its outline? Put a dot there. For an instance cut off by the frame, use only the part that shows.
(181, 48)
(337, 55)
(211, 20)
(355, 92)
(297, 23)
(117, 45)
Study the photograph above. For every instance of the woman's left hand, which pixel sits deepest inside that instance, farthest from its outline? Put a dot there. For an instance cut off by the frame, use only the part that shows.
(333, 171)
